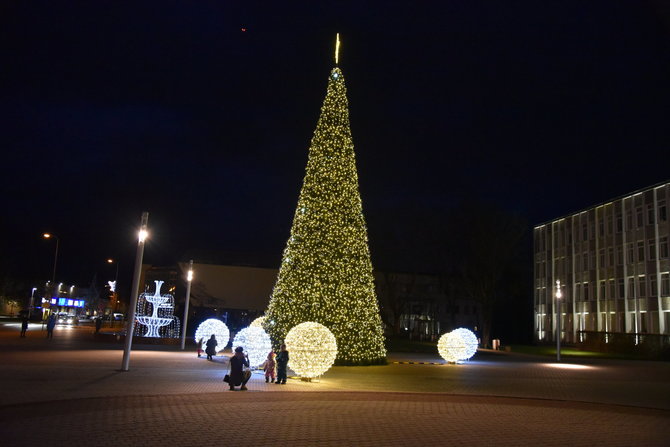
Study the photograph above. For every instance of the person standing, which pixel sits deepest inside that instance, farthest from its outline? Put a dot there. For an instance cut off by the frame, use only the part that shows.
(282, 363)
(98, 324)
(238, 374)
(24, 326)
(51, 324)
(199, 342)
(269, 367)
(211, 347)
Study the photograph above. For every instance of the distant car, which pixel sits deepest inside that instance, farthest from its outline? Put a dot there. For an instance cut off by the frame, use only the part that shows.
(118, 316)
(67, 319)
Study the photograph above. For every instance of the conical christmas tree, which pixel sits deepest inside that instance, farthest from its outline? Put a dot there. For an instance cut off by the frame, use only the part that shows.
(326, 273)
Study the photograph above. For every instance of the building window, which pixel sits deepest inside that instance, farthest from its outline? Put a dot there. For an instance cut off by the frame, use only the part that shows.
(665, 284)
(610, 256)
(629, 220)
(622, 288)
(662, 212)
(631, 287)
(652, 249)
(585, 232)
(642, 286)
(631, 253)
(578, 292)
(650, 214)
(602, 290)
(653, 285)
(619, 255)
(612, 289)
(601, 257)
(586, 291)
(639, 217)
(619, 223)
(640, 251)
(663, 247)
(585, 261)
(609, 224)
(601, 228)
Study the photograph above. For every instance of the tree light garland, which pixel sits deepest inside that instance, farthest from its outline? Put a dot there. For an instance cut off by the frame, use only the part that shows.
(326, 272)
(216, 327)
(312, 349)
(258, 322)
(256, 343)
(457, 345)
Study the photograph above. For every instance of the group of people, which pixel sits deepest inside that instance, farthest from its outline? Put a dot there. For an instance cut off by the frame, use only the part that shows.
(240, 371)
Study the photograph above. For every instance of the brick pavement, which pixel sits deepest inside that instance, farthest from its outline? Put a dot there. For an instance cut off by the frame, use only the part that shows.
(58, 393)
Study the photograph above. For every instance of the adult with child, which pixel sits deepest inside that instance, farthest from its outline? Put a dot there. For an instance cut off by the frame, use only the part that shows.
(239, 376)
(282, 363)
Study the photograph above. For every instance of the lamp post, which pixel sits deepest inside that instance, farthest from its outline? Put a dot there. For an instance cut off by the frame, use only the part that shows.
(558, 320)
(189, 279)
(113, 287)
(134, 290)
(32, 302)
(53, 236)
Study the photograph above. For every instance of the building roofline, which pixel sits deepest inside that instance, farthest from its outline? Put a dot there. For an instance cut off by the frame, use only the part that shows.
(623, 196)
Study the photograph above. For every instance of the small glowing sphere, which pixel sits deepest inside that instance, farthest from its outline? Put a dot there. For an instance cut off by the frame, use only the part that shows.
(312, 349)
(256, 343)
(216, 327)
(457, 345)
(258, 322)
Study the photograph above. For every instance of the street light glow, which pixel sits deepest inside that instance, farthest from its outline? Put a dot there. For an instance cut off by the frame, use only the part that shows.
(189, 275)
(46, 235)
(143, 235)
(110, 261)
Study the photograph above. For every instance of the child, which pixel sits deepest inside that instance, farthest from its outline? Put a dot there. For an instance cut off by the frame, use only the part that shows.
(200, 346)
(282, 363)
(269, 367)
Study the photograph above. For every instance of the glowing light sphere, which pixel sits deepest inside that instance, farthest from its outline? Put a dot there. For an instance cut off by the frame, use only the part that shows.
(216, 327)
(256, 343)
(457, 345)
(258, 322)
(312, 349)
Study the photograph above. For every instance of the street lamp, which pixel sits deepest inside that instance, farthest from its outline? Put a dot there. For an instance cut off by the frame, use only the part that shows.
(558, 320)
(53, 236)
(189, 279)
(130, 327)
(32, 302)
(113, 288)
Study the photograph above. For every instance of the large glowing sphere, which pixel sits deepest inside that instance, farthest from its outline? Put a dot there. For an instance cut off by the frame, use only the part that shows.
(258, 322)
(312, 349)
(216, 327)
(256, 343)
(459, 344)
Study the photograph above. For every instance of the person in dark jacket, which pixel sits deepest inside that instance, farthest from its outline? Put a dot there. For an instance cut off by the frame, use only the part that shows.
(238, 375)
(51, 324)
(211, 347)
(24, 326)
(282, 363)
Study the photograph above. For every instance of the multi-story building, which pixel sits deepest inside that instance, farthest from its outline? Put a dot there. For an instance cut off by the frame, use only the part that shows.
(613, 264)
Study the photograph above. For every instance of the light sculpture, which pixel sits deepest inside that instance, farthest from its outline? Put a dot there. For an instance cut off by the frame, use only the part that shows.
(312, 349)
(160, 322)
(216, 327)
(457, 345)
(256, 343)
(258, 322)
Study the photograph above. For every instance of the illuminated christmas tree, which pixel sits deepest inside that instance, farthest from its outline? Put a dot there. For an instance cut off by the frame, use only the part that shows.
(326, 273)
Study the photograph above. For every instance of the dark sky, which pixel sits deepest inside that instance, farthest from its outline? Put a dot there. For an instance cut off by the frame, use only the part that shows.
(110, 108)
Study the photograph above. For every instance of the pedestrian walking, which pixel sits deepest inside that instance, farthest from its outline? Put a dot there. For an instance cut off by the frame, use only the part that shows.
(51, 324)
(282, 363)
(269, 367)
(239, 370)
(24, 326)
(98, 324)
(211, 347)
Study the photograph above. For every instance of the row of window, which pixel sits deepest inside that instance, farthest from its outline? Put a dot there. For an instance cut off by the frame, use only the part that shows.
(633, 220)
(635, 252)
(641, 287)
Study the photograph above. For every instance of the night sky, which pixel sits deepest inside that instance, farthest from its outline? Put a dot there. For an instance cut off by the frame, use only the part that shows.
(201, 112)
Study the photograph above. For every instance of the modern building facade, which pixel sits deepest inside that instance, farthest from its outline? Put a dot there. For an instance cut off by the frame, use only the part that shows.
(613, 264)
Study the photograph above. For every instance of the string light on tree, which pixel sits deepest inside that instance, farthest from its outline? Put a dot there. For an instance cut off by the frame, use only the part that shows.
(312, 349)
(256, 343)
(457, 345)
(216, 327)
(258, 322)
(326, 273)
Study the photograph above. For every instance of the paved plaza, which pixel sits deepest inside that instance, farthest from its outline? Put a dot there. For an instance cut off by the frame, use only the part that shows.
(70, 389)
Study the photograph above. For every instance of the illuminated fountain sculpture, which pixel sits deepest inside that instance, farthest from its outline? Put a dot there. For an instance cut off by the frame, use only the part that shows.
(161, 322)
